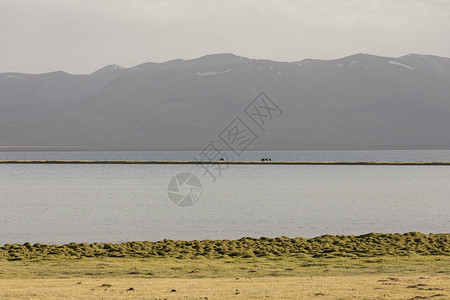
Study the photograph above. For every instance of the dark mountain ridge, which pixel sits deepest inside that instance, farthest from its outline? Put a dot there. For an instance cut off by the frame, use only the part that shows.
(357, 102)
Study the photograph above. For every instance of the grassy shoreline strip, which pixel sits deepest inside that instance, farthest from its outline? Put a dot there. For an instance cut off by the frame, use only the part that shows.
(174, 162)
(327, 246)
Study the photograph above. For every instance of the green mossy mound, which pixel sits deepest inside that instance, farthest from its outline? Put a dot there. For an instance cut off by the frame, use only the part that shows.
(368, 245)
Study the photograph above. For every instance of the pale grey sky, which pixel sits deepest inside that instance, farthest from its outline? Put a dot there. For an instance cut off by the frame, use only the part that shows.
(80, 36)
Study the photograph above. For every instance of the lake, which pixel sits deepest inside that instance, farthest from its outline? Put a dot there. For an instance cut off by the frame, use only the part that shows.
(117, 203)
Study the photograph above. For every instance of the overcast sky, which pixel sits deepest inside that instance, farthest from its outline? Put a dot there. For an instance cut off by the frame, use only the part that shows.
(80, 36)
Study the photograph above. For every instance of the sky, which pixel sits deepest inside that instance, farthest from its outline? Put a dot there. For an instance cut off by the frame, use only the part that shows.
(81, 36)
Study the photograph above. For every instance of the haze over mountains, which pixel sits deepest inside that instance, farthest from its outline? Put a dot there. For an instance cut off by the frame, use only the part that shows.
(356, 102)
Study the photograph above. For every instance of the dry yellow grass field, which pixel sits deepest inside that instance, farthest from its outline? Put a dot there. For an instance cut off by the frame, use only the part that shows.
(319, 287)
(385, 277)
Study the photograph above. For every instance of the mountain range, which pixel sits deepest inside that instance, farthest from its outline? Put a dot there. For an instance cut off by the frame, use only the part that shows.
(357, 102)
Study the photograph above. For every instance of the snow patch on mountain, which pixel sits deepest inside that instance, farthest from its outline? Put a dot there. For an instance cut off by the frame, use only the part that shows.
(399, 64)
(213, 73)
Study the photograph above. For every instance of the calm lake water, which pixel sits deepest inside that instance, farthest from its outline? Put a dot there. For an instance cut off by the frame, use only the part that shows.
(116, 203)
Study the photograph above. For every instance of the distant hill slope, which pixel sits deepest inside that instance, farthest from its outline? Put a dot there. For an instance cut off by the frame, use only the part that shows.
(357, 102)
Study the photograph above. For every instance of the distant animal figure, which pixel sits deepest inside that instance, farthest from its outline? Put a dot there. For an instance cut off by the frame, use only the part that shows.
(221, 159)
(270, 159)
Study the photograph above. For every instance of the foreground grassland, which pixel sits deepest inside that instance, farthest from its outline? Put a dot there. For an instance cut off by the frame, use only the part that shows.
(383, 277)
(373, 266)
(355, 287)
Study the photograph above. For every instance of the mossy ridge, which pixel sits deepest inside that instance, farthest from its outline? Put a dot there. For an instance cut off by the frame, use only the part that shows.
(368, 245)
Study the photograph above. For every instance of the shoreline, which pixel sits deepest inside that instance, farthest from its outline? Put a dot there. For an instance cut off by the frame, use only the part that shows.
(372, 266)
(177, 162)
(326, 246)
